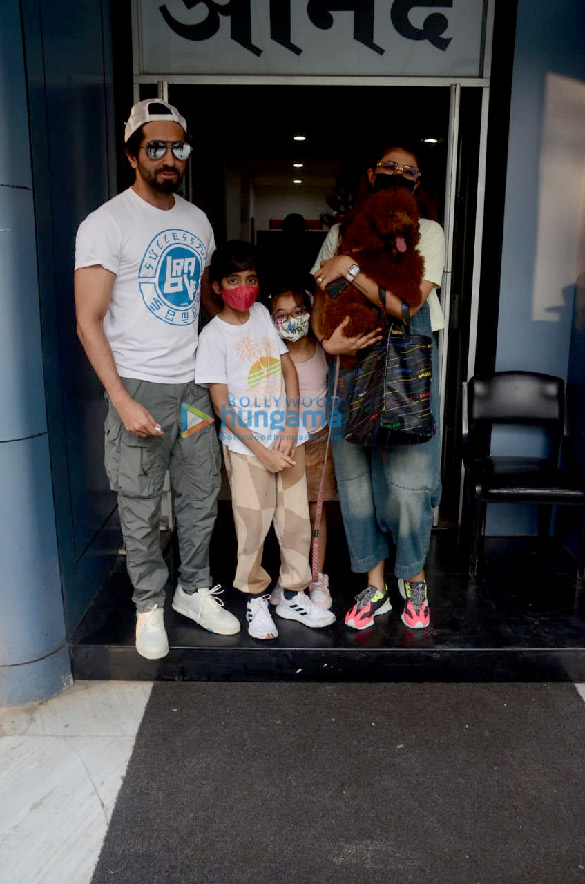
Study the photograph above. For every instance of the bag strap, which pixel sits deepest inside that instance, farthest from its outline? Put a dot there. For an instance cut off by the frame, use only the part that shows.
(382, 297)
(406, 317)
(316, 541)
(405, 311)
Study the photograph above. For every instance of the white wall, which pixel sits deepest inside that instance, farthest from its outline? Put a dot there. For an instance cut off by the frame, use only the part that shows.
(542, 252)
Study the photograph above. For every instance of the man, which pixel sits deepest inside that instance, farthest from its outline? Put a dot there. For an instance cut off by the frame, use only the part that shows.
(141, 267)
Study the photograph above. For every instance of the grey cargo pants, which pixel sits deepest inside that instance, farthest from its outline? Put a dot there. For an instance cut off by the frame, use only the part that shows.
(136, 469)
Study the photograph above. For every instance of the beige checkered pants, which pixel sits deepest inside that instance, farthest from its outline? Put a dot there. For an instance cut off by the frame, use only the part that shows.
(261, 498)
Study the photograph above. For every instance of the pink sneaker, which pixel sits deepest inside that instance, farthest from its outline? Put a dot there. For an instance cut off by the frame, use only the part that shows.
(416, 612)
(319, 591)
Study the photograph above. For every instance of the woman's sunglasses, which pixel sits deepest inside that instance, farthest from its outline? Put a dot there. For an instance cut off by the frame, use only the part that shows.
(155, 150)
(410, 172)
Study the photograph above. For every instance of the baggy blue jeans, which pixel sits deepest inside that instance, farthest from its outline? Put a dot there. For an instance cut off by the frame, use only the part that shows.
(390, 492)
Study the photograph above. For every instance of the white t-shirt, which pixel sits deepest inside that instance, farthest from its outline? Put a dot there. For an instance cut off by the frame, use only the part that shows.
(158, 257)
(432, 248)
(247, 359)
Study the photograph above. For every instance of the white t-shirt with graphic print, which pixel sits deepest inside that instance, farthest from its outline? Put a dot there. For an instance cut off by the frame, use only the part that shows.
(158, 257)
(247, 359)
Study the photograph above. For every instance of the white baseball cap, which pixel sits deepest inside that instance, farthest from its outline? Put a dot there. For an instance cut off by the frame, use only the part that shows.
(151, 110)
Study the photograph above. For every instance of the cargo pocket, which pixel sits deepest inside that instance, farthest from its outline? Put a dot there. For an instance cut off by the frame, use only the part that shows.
(142, 467)
(112, 439)
(201, 461)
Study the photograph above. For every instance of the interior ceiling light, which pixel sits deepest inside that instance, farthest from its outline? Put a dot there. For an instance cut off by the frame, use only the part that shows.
(430, 140)
(299, 137)
(297, 180)
(298, 165)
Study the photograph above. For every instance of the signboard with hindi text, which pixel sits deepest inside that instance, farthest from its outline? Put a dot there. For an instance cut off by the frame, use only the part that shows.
(390, 38)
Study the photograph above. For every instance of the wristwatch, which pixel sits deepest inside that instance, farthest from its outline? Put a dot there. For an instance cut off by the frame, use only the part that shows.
(352, 272)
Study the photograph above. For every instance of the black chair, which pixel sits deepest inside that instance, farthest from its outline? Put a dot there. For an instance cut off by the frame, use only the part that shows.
(516, 398)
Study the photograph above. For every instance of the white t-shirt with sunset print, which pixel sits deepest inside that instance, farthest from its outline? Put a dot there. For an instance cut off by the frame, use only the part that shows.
(247, 359)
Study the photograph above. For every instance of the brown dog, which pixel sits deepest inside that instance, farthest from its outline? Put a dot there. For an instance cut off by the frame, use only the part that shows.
(382, 237)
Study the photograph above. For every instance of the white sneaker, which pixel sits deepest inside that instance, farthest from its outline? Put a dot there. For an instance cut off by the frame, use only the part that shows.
(260, 623)
(206, 608)
(319, 591)
(301, 608)
(151, 637)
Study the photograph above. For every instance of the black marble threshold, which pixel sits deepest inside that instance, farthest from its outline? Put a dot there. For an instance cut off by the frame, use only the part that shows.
(303, 664)
(521, 619)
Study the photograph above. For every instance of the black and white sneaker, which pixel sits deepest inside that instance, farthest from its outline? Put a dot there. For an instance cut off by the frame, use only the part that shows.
(302, 609)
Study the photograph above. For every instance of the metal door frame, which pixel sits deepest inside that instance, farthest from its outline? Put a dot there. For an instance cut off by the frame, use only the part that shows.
(455, 84)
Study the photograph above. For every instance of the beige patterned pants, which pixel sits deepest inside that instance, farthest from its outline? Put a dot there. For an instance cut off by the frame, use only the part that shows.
(259, 499)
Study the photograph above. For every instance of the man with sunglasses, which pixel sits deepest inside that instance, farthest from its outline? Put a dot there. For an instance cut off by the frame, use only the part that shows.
(141, 270)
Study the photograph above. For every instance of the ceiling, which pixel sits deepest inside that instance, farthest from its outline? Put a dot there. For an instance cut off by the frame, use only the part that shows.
(254, 126)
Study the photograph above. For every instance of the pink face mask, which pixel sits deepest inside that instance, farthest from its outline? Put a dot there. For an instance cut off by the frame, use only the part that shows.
(241, 297)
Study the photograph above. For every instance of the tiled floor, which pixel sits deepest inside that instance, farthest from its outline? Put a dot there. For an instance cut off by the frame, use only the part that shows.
(61, 765)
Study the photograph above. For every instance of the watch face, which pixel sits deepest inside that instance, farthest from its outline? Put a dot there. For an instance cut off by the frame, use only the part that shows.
(353, 270)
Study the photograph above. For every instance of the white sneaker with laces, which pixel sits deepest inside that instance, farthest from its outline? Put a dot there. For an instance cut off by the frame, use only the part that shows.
(151, 638)
(206, 608)
(260, 623)
(302, 609)
(319, 591)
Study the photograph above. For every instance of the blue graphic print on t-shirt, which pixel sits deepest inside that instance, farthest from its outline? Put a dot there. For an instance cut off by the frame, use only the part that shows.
(170, 276)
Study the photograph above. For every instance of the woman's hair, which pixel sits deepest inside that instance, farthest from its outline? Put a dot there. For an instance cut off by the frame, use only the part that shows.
(233, 257)
(382, 148)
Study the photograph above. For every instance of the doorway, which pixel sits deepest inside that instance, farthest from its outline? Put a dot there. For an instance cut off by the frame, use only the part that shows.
(247, 173)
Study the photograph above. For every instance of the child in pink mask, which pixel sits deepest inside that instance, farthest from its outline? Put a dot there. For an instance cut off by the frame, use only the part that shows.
(254, 389)
(290, 307)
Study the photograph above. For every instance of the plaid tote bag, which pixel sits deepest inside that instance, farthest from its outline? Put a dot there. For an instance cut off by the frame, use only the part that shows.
(390, 403)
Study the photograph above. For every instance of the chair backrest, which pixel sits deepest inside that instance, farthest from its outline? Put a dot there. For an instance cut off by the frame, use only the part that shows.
(515, 398)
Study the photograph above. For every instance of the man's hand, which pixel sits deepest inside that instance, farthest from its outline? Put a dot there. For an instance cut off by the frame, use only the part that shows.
(338, 344)
(137, 419)
(275, 461)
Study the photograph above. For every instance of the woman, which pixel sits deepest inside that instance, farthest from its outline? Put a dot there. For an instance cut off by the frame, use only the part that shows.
(394, 491)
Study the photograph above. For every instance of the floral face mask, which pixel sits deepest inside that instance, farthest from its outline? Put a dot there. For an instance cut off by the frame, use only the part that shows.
(293, 328)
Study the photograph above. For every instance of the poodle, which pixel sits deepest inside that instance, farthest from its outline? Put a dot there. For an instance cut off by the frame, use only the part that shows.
(382, 236)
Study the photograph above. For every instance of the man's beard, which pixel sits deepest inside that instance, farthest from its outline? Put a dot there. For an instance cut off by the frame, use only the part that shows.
(167, 185)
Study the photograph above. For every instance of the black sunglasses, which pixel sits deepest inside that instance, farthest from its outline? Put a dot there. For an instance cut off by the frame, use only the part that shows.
(155, 150)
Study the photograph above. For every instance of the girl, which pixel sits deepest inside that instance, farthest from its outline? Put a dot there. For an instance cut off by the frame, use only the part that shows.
(393, 491)
(291, 313)
(254, 389)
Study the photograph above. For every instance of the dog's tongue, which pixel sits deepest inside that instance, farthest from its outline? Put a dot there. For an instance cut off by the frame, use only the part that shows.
(400, 243)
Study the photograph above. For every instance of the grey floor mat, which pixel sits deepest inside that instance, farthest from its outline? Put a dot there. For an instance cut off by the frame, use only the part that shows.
(250, 783)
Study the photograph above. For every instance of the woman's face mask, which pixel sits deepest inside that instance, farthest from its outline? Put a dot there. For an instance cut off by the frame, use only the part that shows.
(293, 328)
(382, 181)
(240, 297)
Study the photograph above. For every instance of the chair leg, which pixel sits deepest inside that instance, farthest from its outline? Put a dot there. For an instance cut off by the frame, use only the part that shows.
(544, 517)
(464, 535)
(581, 550)
(477, 531)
